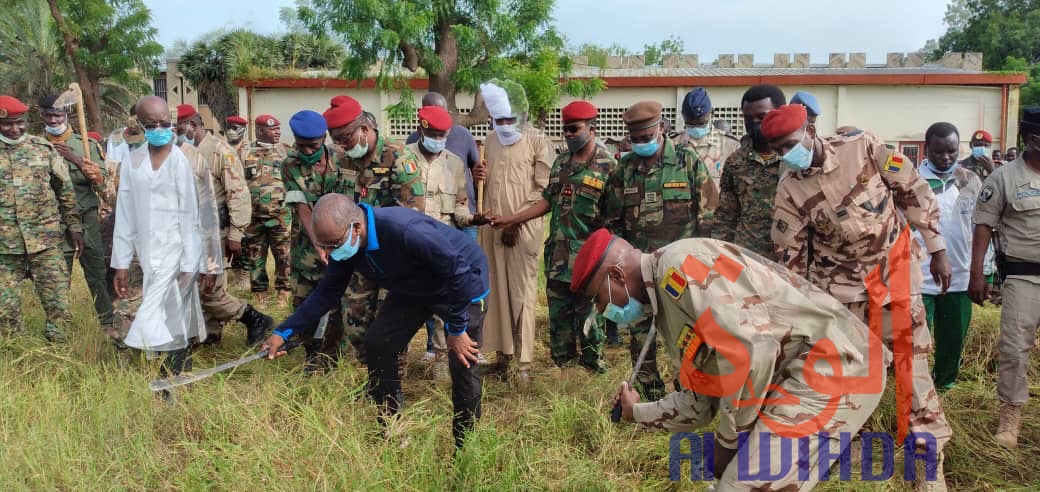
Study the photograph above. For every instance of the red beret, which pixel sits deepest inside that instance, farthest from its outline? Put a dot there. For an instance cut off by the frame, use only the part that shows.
(434, 118)
(236, 120)
(268, 121)
(185, 111)
(11, 107)
(784, 121)
(95, 135)
(579, 111)
(344, 110)
(982, 135)
(589, 258)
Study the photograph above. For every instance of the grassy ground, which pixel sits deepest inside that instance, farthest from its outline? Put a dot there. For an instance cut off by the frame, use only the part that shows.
(80, 417)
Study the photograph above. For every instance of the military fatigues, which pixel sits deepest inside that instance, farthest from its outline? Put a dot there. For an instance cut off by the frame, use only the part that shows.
(36, 202)
(653, 204)
(1010, 202)
(578, 196)
(746, 195)
(271, 219)
(391, 178)
(713, 150)
(92, 258)
(974, 166)
(739, 329)
(847, 214)
(234, 211)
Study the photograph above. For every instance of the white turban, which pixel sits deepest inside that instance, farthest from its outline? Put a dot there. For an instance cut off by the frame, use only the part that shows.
(496, 100)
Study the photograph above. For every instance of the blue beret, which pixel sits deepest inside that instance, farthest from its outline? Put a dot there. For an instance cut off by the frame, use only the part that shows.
(696, 104)
(308, 124)
(807, 100)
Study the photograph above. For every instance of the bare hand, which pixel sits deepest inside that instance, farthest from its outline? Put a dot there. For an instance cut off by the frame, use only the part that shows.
(68, 154)
(481, 218)
(979, 290)
(77, 242)
(479, 171)
(987, 163)
(121, 282)
(232, 248)
(274, 346)
(464, 348)
(207, 282)
(941, 271)
(503, 222)
(628, 398)
(323, 256)
(92, 172)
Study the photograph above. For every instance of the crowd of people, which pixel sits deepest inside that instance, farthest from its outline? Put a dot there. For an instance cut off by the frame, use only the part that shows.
(770, 243)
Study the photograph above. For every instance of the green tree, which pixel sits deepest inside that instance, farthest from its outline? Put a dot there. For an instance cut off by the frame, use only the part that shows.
(654, 54)
(32, 63)
(457, 44)
(110, 41)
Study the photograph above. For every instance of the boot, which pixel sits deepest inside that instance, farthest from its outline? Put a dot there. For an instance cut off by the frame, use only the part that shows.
(1010, 423)
(923, 484)
(257, 325)
(523, 377)
(441, 374)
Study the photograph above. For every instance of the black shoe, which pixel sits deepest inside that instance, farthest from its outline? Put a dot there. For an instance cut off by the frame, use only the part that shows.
(614, 341)
(257, 325)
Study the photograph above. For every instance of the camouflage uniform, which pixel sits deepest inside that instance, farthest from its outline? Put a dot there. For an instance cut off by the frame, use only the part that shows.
(234, 211)
(92, 258)
(271, 219)
(713, 150)
(972, 164)
(577, 195)
(392, 177)
(651, 205)
(847, 214)
(746, 195)
(37, 201)
(739, 329)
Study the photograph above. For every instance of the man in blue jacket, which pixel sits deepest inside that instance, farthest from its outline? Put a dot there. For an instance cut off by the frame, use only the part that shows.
(427, 268)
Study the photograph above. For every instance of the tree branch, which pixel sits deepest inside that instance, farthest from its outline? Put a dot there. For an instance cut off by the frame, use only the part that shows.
(411, 57)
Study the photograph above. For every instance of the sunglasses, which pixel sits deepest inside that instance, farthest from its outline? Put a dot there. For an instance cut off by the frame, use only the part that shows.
(153, 126)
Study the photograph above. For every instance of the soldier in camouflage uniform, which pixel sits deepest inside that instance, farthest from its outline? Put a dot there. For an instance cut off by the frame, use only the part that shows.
(749, 178)
(87, 178)
(271, 219)
(375, 172)
(738, 327)
(577, 198)
(658, 195)
(37, 202)
(839, 211)
(713, 146)
(233, 207)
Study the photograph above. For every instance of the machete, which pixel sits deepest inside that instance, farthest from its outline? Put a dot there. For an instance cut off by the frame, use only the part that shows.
(188, 378)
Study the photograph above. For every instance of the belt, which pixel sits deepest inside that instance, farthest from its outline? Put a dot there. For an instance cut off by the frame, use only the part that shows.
(1021, 268)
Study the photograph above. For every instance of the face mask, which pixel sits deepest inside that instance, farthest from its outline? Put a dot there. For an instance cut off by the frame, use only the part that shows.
(935, 169)
(575, 144)
(359, 151)
(182, 139)
(978, 151)
(646, 149)
(622, 315)
(235, 135)
(434, 145)
(312, 158)
(698, 132)
(157, 137)
(507, 134)
(16, 141)
(347, 250)
(755, 130)
(798, 158)
(57, 131)
(265, 145)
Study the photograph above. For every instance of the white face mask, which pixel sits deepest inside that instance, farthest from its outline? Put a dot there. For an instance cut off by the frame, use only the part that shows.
(265, 145)
(16, 141)
(508, 134)
(57, 130)
(359, 151)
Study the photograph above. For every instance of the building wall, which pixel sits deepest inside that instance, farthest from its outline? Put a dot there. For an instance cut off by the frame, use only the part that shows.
(896, 113)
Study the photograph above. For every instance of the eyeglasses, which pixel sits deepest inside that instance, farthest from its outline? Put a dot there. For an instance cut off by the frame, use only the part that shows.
(572, 128)
(339, 243)
(153, 126)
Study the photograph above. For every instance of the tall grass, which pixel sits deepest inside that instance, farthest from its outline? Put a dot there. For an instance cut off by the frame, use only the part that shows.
(81, 417)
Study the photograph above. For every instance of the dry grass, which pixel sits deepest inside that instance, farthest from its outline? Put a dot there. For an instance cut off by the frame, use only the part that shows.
(80, 417)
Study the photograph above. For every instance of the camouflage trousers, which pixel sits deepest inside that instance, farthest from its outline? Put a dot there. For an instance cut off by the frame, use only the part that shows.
(361, 305)
(92, 259)
(328, 345)
(567, 315)
(50, 279)
(125, 309)
(926, 413)
(219, 307)
(261, 235)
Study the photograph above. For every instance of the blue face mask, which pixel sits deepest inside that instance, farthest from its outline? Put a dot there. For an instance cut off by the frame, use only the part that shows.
(622, 315)
(181, 139)
(347, 249)
(978, 151)
(798, 158)
(158, 137)
(646, 149)
(698, 132)
(432, 145)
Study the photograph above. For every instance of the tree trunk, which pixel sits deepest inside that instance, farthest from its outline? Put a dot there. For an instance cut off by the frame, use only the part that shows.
(86, 84)
(447, 49)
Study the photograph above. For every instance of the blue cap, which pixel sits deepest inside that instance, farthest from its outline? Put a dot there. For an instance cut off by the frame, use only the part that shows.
(308, 124)
(807, 100)
(696, 104)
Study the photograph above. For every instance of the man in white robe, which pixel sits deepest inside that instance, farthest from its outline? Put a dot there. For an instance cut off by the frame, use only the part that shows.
(157, 217)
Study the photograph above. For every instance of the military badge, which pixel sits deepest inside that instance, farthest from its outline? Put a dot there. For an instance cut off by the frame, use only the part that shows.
(593, 182)
(410, 167)
(650, 197)
(632, 191)
(986, 194)
(568, 190)
(894, 164)
(781, 226)
(674, 283)
(424, 123)
(3, 113)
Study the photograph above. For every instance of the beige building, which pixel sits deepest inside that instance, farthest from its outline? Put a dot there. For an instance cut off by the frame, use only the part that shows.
(897, 100)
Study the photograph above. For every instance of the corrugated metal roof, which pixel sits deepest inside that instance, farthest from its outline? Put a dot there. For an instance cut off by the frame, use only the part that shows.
(584, 71)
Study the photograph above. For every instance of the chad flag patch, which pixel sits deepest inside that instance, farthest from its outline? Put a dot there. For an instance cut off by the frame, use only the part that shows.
(674, 283)
(894, 164)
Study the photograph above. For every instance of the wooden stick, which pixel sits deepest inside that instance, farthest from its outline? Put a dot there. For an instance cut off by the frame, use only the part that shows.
(81, 115)
(480, 185)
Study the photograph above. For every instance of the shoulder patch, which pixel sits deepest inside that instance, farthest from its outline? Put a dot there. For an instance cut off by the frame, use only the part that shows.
(674, 283)
(986, 194)
(894, 164)
(688, 342)
(593, 182)
(410, 167)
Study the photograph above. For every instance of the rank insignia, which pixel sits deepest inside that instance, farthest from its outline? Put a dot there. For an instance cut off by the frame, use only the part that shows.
(568, 190)
(688, 342)
(650, 197)
(384, 170)
(632, 191)
(593, 182)
(894, 164)
(674, 283)
(675, 184)
(781, 226)
(410, 167)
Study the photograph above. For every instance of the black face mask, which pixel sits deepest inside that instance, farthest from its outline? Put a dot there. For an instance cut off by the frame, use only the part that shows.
(754, 129)
(577, 142)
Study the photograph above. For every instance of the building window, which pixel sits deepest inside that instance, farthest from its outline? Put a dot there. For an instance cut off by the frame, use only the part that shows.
(159, 86)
